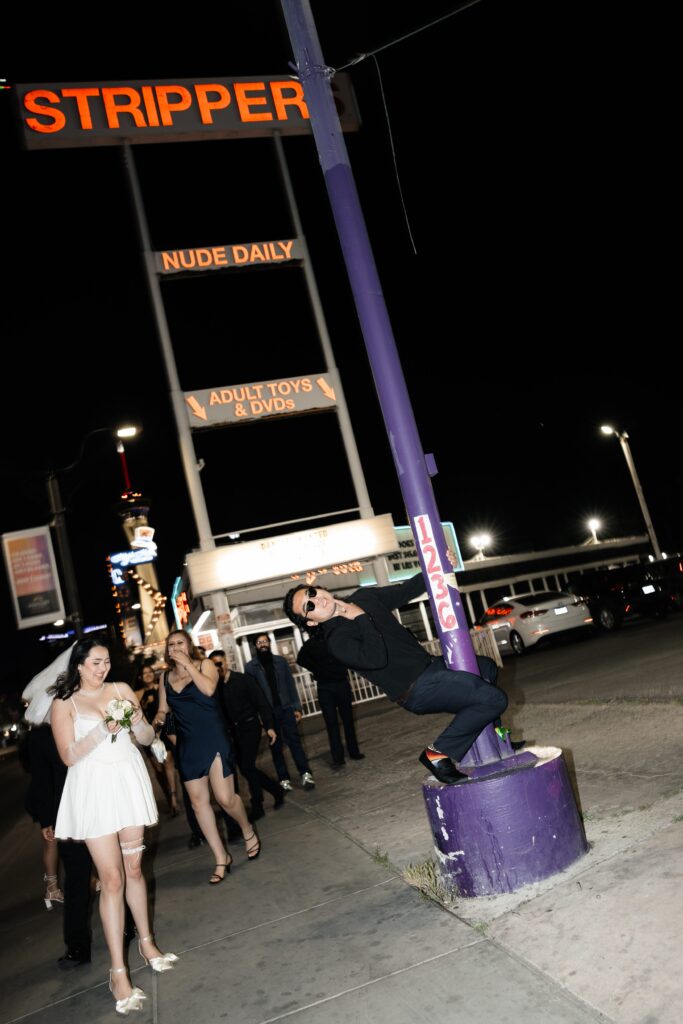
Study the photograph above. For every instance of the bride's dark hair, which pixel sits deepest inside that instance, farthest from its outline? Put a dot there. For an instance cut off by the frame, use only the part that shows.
(69, 682)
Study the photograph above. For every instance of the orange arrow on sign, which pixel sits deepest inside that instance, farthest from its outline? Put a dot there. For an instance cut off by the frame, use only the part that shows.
(197, 409)
(326, 389)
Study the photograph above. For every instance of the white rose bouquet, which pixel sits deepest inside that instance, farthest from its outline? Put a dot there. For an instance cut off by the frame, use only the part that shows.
(121, 711)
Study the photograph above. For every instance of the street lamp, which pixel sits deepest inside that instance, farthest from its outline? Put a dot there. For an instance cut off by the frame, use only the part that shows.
(57, 511)
(480, 541)
(593, 525)
(623, 441)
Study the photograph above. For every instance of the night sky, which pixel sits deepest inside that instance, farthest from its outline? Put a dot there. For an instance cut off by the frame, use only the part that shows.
(533, 166)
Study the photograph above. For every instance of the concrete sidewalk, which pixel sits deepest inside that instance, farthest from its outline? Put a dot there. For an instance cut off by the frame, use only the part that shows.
(324, 927)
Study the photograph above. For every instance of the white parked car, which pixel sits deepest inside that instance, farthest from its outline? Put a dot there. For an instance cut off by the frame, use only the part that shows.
(521, 621)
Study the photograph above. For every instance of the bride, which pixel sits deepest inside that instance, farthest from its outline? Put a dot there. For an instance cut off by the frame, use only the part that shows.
(107, 802)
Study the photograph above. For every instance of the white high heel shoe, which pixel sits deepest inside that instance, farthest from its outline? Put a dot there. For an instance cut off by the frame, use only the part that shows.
(157, 963)
(133, 1001)
(53, 894)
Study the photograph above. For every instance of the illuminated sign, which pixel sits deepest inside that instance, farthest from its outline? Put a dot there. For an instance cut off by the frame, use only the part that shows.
(33, 578)
(343, 569)
(435, 573)
(242, 402)
(221, 257)
(281, 556)
(404, 562)
(188, 110)
(144, 540)
(122, 559)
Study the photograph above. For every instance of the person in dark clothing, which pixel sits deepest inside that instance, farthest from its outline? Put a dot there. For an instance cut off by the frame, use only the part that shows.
(48, 774)
(334, 694)
(363, 634)
(275, 678)
(147, 693)
(246, 710)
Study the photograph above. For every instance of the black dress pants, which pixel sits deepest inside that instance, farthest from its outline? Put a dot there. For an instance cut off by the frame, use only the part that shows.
(77, 870)
(247, 735)
(333, 697)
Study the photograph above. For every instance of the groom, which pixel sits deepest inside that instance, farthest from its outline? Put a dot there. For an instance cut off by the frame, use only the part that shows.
(363, 634)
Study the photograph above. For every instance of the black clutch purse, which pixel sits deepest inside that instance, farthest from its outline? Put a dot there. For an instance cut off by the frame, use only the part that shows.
(169, 725)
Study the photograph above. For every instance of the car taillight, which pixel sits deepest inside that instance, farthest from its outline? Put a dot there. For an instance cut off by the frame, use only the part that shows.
(532, 614)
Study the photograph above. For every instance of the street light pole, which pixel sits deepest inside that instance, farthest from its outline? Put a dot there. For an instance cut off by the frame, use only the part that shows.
(73, 610)
(58, 522)
(625, 447)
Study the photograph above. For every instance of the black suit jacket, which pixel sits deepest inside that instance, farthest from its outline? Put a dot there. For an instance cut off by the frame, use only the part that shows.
(48, 774)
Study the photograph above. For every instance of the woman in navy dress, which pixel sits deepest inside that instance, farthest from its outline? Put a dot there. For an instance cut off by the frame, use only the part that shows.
(203, 752)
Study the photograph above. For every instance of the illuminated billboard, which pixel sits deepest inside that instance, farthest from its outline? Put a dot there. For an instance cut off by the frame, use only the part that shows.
(57, 116)
(289, 553)
(224, 257)
(33, 577)
(241, 403)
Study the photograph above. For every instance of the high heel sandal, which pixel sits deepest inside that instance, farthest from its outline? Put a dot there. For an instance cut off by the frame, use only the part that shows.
(131, 1002)
(216, 879)
(157, 963)
(255, 850)
(53, 894)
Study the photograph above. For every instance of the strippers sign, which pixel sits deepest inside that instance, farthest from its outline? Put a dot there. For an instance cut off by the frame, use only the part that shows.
(187, 110)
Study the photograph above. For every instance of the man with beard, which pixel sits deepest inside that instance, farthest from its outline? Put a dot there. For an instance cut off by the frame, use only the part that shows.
(277, 682)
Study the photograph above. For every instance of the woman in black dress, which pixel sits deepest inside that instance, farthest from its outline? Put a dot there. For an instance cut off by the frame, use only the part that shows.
(147, 693)
(203, 752)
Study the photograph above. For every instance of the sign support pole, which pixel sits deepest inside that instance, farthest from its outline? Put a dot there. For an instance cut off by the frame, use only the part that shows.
(188, 456)
(516, 820)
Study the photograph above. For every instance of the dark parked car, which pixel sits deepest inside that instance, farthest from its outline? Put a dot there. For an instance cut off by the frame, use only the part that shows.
(647, 588)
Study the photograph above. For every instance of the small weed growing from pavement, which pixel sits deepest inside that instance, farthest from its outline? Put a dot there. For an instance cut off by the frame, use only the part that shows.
(381, 858)
(481, 927)
(679, 817)
(426, 879)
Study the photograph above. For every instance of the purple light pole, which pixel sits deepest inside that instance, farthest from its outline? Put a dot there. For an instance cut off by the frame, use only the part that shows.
(483, 847)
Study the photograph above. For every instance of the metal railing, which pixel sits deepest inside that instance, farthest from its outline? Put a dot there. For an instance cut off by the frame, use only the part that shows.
(364, 691)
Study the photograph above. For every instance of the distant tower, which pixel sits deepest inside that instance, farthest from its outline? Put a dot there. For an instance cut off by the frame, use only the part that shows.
(133, 511)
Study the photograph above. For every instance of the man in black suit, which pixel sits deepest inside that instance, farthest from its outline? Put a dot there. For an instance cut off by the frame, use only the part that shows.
(334, 693)
(246, 710)
(362, 633)
(48, 774)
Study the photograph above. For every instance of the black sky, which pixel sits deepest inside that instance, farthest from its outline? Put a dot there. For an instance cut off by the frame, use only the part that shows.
(534, 170)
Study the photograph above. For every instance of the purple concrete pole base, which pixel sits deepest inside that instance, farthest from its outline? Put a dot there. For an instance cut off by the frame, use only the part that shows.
(504, 830)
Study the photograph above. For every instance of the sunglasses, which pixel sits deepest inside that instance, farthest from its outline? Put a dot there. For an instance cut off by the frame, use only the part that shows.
(309, 605)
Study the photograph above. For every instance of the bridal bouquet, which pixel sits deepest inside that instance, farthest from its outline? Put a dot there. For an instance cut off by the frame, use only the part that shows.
(121, 711)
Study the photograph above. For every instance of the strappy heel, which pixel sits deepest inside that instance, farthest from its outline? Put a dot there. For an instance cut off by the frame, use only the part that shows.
(53, 894)
(216, 879)
(161, 963)
(255, 850)
(133, 1001)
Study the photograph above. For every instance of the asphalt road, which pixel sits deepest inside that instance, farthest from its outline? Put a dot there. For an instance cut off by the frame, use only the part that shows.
(642, 660)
